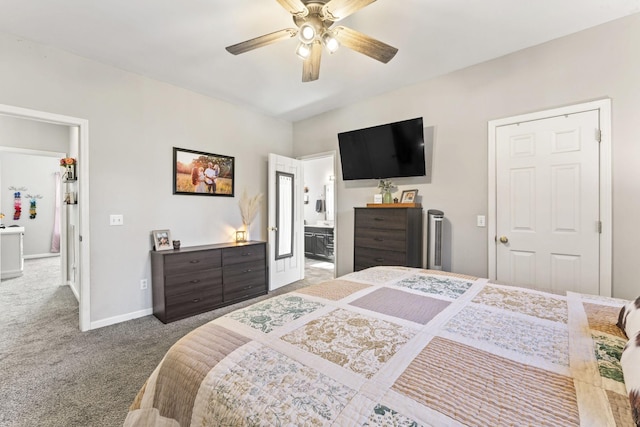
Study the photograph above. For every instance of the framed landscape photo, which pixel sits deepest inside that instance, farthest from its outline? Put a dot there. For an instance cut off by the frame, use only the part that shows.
(409, 196)
(202, 174)
(162, 240)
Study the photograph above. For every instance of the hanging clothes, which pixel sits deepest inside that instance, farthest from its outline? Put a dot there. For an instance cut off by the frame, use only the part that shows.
(17, 204)
(319, 205)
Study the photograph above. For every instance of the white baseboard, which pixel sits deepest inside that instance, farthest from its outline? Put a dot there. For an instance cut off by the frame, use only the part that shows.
(47, 255)
(119, 319)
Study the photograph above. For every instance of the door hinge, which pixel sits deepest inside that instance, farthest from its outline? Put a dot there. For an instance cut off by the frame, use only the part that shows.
(600, 227)
(598, 135)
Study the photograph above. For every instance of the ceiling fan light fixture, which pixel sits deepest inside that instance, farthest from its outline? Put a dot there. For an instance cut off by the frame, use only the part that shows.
(303, 50)
(330, 42)
(307, 33)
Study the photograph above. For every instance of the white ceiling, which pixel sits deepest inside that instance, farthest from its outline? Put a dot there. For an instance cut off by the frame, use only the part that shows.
(182, 42)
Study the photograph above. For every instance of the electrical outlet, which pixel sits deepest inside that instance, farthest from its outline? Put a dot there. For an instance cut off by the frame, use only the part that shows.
(144, 284)
(116, 219)
(480, 221)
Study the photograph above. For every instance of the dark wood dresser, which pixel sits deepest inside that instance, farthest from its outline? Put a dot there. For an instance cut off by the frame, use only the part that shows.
(387, 236)
(195, 279)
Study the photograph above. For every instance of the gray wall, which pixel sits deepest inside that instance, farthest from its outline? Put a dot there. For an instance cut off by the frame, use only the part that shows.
(593, 64)
(133, 124)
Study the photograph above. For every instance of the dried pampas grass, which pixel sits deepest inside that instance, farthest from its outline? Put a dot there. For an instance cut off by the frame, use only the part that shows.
(249, 206)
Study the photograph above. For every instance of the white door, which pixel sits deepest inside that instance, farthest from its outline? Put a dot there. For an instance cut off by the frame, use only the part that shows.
(286, 241)
(547, 203)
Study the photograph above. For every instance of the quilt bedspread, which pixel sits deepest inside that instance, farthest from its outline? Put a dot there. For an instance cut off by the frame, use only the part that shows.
(395, 346)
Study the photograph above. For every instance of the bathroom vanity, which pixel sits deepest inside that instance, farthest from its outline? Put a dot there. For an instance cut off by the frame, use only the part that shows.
(318, 241)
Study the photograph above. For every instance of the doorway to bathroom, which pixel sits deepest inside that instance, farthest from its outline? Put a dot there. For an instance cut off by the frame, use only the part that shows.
(319, 216)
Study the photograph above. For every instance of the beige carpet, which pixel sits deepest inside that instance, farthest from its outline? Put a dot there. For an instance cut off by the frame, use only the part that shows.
(51, 374)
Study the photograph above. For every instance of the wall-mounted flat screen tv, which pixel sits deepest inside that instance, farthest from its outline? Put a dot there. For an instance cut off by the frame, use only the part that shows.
(392, 150)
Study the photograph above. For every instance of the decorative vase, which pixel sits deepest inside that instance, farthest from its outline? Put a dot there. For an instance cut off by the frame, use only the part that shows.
(386, 197)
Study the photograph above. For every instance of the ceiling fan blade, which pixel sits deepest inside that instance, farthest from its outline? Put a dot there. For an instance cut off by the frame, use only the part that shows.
(294, 7)
(261, 41)
(336, 10)
(364, 44)
(311, 65)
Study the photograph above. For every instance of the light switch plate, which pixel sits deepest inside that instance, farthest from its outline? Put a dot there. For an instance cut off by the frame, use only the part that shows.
(481, 221)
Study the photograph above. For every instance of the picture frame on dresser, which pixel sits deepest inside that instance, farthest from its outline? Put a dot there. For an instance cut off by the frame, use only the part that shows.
(409, 196)
(199, 173)
(161, 240)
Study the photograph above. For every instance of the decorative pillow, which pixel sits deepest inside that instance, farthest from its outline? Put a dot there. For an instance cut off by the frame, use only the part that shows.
(630, 361)
(629, 318)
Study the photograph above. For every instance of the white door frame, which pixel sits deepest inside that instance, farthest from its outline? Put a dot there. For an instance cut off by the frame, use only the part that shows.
(603, 107)
(83, 196)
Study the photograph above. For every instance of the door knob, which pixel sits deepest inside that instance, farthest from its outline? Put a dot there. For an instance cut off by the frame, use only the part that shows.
(503, 239)
(273, 228)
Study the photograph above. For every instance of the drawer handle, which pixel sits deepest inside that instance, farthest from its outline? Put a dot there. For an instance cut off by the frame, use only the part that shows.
(248, 271)
(196, 300)
(378, 239)
(194, 261)
(246, 254)
(195, 281)
(378, 219)
(247, 287)
(379, 259)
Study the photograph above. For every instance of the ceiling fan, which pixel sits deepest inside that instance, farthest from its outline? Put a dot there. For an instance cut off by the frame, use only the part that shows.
(314, 19)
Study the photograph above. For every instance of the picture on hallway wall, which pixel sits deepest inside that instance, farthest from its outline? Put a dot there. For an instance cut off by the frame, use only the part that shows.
(202, 174)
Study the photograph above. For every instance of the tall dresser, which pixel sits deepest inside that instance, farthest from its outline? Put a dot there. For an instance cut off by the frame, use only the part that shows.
(196, 279)
(387, 236)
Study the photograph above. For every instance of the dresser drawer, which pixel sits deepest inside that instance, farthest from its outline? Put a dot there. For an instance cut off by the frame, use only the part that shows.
(368, 257)
(393, 240)
(388, 219)
(244, 280)
(177, 284)
(241, 274)
(245, 292)
(189, 304)
(191, 261)
(243, 254)
(253, 286)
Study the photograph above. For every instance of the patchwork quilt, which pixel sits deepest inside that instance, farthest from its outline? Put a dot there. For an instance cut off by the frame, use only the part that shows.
(396, 346)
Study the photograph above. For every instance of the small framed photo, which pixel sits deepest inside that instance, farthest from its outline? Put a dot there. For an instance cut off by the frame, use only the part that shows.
(202, 174)
(162, 240)
(409, 196)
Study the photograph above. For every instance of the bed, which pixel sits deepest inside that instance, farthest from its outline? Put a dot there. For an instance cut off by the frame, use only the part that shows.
(397, 346)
